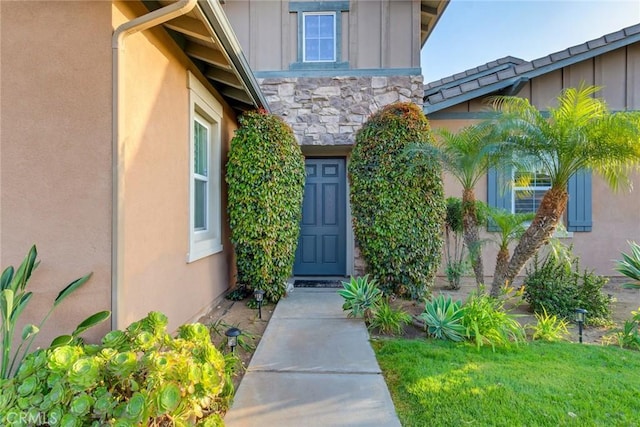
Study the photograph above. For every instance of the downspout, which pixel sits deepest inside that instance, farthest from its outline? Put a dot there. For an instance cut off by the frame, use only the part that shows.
(136, 25)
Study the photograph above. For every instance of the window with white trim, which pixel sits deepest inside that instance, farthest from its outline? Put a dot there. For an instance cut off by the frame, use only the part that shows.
(205, 115)
(528, 189)
(319, 32)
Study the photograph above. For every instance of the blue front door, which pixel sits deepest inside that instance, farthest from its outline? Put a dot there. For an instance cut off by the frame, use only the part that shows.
(322, 243)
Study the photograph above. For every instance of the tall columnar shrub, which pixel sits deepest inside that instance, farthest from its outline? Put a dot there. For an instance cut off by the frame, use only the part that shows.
(398, 212)
(265, 174)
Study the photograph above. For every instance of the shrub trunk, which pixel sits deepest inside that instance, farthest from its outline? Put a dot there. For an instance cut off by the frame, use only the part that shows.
(502, 266)
(471, 235)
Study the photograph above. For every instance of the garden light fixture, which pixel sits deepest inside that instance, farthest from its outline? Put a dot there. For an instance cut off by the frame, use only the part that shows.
(581, 313)
(232, 337)
(258, 294)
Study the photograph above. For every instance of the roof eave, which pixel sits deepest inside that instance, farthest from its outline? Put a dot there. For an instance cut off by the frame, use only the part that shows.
(427, 28)
(219, 22)
(523, 77)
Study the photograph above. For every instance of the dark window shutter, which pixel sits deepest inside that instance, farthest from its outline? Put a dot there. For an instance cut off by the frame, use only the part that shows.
(498, 192)
(579, 206)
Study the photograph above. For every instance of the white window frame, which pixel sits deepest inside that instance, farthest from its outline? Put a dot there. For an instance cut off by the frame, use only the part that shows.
(304, 36)
(206, 110)
(515, 188)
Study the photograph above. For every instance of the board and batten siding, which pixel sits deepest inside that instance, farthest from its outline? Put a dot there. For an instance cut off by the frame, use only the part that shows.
(614, 216)
(374, 33)
(618, 72)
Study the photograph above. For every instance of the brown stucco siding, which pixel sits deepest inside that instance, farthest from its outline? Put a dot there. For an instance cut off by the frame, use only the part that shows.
(156, 275)
(55, 167)
(616, 217)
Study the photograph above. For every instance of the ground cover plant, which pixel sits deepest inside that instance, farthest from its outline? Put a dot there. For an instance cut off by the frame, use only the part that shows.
(549, 327)
(138, 376)
(388, 320)
(441, 383)
(398, 212)
(265, 174)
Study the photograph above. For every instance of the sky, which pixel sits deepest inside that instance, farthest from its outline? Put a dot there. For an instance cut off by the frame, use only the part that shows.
(473, 32)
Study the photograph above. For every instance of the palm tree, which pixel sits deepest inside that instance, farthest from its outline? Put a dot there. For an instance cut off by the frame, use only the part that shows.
(511, 227)
(580, 133)
(467, 155)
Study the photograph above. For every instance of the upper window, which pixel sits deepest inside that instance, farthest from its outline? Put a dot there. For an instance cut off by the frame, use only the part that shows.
(205, 236)
(319, 34)
(319, 37)
(528, 190)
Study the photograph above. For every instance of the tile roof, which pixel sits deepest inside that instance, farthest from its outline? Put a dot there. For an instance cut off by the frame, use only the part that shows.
(509, 71)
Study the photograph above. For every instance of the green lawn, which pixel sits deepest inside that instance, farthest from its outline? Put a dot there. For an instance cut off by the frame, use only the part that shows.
(436, 383)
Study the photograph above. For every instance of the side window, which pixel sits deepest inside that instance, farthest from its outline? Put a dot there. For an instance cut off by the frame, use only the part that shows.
(205, 115)
(503, 192)
(319, 35)
(528, 189)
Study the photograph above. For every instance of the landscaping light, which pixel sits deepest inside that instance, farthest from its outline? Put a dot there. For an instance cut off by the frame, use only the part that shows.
(581, 313)
(232, 337)
(258, 294)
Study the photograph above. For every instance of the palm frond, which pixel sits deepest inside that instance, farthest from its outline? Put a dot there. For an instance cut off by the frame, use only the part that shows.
(511, 225)
(579, 134)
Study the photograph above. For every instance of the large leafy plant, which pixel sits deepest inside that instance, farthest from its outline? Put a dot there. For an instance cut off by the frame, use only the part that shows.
(139, 376)
(398, 211)
(265, 173)
(14, 298)
(486, 322)
(443, 318)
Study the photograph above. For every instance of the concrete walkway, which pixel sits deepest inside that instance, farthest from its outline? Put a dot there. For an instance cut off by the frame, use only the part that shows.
(313, 367)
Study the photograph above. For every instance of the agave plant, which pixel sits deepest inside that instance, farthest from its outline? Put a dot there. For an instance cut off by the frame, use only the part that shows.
(361, 296)
(443, 318)
(630, 266)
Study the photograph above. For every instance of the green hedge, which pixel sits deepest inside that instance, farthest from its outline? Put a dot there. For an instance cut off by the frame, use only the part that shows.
(265, 174)
(397, 213)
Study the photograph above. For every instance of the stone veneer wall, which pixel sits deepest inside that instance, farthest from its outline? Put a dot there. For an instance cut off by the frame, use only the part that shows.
(330, 110)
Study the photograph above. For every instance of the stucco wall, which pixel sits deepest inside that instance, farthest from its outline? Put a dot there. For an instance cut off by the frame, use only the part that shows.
(55, 145)
(616, 216)
(156, 275)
